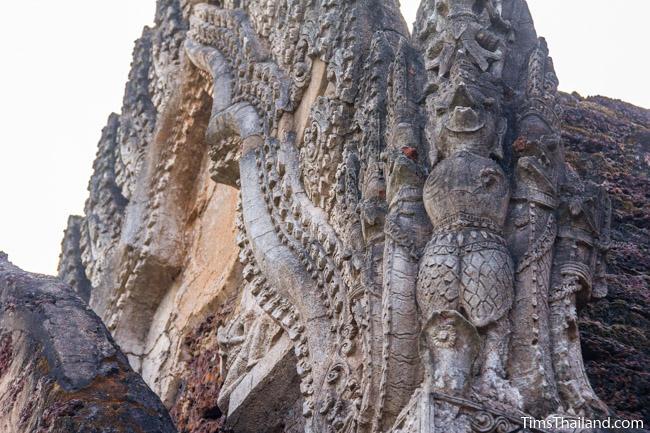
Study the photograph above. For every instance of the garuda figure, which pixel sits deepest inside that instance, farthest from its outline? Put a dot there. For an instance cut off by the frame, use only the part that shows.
(466, 272)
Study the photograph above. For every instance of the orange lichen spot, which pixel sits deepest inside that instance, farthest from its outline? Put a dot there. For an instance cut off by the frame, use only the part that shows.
(410, 152)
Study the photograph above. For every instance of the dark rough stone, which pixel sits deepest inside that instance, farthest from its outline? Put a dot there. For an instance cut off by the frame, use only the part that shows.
(60, 370)
(608, 141)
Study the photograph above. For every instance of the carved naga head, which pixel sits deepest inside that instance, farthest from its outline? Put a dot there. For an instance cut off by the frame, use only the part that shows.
(540, 112)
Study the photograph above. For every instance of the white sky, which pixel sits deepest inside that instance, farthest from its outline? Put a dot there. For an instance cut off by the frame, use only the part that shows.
(65, 63)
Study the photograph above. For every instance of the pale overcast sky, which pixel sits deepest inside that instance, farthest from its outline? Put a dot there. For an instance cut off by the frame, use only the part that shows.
(65, 63)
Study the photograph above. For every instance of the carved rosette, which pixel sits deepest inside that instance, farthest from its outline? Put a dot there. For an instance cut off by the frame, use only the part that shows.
(322, 151)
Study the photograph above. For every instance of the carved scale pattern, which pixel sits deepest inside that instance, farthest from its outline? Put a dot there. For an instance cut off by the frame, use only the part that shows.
(258, 80)
(104, 207)
(194, 98)
(280, 310)
(138, 118)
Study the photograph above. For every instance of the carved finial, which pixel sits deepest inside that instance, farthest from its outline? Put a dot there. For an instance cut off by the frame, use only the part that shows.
(541, 92)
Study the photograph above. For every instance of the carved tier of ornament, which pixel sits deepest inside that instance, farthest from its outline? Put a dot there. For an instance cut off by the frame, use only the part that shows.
(407, 217)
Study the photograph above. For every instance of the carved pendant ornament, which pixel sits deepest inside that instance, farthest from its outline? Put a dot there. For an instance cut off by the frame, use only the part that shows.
(407, 220)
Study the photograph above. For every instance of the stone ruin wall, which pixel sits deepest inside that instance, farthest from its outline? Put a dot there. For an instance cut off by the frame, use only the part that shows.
(164, 255)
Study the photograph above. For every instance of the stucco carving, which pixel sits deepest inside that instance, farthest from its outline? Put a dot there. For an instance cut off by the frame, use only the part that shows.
(460, 121)
(406, 220)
